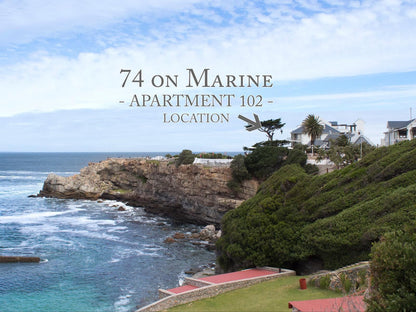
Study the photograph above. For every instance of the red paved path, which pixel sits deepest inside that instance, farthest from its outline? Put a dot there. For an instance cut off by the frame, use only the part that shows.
(235, 276)
(352, 303)
(227, 277)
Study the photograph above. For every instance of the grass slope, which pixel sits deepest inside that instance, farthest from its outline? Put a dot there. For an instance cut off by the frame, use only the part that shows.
(333, 218)
(267, 296)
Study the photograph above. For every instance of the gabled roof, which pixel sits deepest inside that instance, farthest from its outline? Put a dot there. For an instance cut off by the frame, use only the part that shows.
(332, 136)
(327, 129)
(298, 130)
(362, 139)
(398, 124)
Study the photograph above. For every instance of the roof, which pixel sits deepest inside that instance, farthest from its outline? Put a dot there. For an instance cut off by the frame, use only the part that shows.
(327, 129)
(332, 136)
(349, 303)
(362, 139)
(398, 124)
(298, 130)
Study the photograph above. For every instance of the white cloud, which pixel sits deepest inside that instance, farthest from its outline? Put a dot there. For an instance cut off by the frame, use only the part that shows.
(281, 40)
(31, 19)
(386, 94)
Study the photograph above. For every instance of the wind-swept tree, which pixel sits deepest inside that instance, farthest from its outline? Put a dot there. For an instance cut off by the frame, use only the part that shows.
(270, 126)
(312, 127)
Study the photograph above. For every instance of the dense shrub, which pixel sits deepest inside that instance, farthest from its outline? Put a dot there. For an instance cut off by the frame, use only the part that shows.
(393, 272)
(213, 156)
(264, 160)
(296, 156)
(333, 217)
(185, 158)
(238, 169)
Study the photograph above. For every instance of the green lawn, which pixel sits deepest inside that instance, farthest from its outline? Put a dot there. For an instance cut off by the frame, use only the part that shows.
(267, 296)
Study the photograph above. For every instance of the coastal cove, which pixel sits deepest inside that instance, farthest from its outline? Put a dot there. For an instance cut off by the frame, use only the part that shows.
(96, 257)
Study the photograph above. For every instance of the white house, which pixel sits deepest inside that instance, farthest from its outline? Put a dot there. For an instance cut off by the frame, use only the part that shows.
(331, 131)
(398, 131)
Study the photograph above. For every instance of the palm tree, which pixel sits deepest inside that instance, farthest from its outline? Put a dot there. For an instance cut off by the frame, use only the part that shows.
(312, 127)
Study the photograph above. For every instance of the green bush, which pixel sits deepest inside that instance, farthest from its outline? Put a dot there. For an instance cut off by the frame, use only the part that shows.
(345, 282)
(325, 281)
(393, 272)
(234, 186)
(185, 158)
(296, 156)
(213, 156)
(264, 160)
(238, 169)
(333, 217)
(311, 169)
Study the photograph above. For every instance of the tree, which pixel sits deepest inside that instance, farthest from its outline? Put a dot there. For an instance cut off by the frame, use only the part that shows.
(239, 173)
(185, 158)
(270, 126)
(342, 152)
(264, 160)
(238, 169)
(313, 128)
(393, 274)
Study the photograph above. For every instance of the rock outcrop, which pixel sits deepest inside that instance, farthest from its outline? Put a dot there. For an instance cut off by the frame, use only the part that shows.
(191, 193)
(13, 259)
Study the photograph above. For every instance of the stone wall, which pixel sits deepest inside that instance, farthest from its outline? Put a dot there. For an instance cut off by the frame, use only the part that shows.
(196, 282)
(349, 280)
(210, 291)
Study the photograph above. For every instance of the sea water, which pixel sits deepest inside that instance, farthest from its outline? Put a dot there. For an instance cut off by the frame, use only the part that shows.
(94, 257)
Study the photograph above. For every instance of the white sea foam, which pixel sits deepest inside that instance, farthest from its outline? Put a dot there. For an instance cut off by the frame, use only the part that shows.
(44, 228)
(181, 278)
(30, 218)
(17, 177)
(118, 229)
(27, 172)
(114, 260)
(85, 221)
(122, 303)
(87, 233)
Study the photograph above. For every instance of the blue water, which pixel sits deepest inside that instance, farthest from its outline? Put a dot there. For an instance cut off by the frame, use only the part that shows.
(96, 258)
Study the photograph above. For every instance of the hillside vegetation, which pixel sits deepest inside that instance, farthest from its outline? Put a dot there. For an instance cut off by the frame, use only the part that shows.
(332, 219)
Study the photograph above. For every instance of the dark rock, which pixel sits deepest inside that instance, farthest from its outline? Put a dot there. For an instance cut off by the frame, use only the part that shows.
(11, 259)
(193, 271)
(169, 240)
(120, 208)
(179, 236)
(195, 235)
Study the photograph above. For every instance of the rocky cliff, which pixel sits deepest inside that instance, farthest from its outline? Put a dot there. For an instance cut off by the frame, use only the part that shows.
(191, 193)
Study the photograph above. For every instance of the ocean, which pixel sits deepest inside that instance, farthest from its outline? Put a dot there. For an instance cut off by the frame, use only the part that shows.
(94, 257)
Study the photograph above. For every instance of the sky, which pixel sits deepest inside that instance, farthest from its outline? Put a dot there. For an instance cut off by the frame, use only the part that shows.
(61, 86)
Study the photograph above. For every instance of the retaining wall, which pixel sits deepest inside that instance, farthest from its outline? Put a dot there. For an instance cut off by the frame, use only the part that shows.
(350, 279)
(211, 291)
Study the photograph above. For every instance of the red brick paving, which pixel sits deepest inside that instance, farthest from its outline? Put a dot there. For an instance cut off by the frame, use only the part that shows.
(223, 278)
(235, 276)
(351, 303)
(179, 290)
